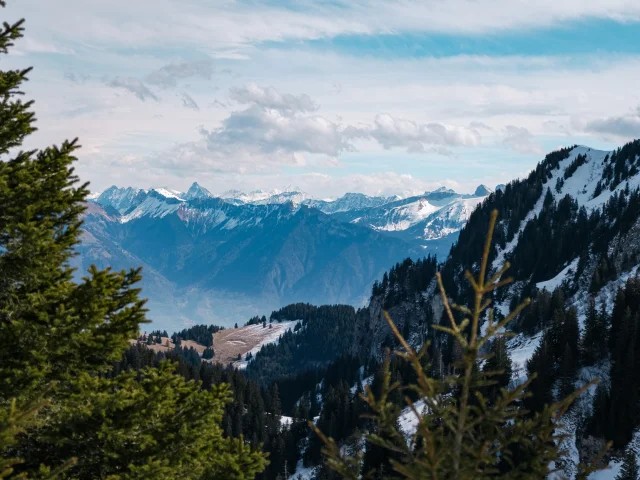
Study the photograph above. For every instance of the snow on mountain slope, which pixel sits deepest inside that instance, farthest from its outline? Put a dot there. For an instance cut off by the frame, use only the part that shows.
(254, 337)
(405, 216)
(431, 216)
(450, 218)
(158, 203)
(591, 178)
(350, 201)
(261, 197)
(555, 282)
(166, 193)
(196, 192)
(217, 213)
(120, 199)
(581, 185)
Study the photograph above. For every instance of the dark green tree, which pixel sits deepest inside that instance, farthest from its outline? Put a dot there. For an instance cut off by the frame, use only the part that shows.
(629, 470)
(594, 341)
(499, 367)
(60, 338)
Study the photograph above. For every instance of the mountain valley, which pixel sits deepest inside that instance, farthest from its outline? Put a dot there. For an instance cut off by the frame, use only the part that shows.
(220, 260)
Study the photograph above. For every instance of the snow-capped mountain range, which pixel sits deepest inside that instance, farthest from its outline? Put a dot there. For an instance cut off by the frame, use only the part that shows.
(430, 216)
(223, 258)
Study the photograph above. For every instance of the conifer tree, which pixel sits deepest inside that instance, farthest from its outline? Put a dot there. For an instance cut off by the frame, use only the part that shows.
(629, 470)
(60, 411)
(594, 341)
(461, 435)
(500, 363)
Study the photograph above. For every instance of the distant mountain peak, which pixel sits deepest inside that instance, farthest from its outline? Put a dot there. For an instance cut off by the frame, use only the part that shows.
(275, 196)
(482, 191)
(442, 189)
(196, 192)
(354, 195)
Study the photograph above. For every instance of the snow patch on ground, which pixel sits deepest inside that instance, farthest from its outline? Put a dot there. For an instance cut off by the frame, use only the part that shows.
(615, 465)
(303, 473)
(521, 349)
(365, 382)
(408, 421)
(273, 335)
(610, 474)
(580, 185)
(555, 282)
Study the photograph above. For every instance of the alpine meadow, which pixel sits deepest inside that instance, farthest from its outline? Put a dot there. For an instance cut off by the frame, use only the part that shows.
(430, 296)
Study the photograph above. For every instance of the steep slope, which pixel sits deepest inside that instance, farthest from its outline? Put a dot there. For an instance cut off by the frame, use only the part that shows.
(572, 226)
(120, 200)
(196, 192)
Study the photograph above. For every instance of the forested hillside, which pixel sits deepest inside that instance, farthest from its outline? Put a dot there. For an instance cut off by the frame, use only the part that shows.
(570, 230)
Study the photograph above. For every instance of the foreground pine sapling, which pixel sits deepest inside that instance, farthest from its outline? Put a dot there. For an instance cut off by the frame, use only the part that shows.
(462, 434)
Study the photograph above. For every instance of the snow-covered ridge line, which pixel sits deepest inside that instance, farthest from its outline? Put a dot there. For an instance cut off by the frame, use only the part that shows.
(581, 185)
(431, 216)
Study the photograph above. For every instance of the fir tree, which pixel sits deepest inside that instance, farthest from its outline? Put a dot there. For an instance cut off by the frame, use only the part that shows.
(60, 409)
(629, 470)
(498, 366)
(594, 341)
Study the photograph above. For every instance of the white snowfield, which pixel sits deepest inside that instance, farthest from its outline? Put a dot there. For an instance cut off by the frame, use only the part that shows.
(165, 192)
(404, 216)
(151, 207)
(581, 186)
(555, 282)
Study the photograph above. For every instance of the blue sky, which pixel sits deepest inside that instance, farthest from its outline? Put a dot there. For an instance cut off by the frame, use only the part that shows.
(374, 96)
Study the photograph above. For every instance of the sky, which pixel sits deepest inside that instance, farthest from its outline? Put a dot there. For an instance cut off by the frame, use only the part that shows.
(376, 96)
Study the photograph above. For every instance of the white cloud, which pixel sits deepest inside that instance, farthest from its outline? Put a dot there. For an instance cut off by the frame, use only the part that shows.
(269, 97)
(259, 139)
(394, 132)
(434, 105)
(169, 75)
(276, 130)
(622, 126)
(480, 126)
(134, 86)
(230, 27)
(189, 102)
(521, 140)
(29, 44)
